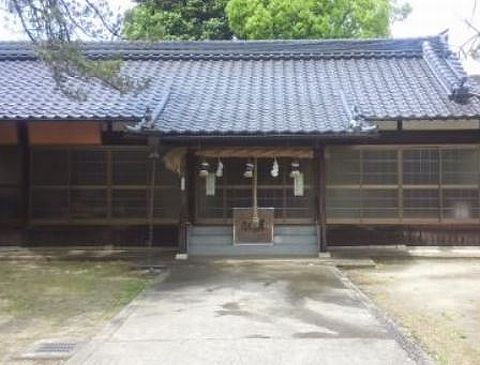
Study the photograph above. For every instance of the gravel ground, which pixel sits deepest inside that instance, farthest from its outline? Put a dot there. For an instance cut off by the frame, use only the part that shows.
(437, 301)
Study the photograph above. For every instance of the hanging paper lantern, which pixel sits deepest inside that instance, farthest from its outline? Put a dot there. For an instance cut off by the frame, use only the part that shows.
(275, 168)
(204, 165)
(219, 172)
(248, 170)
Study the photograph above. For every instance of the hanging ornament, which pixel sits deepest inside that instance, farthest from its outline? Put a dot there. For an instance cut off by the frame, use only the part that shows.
(295, 169)
(248, 170)
(298, 185)
(204, 165)
(219, 172)
(182, 183)
(275, 168)
(210, 184)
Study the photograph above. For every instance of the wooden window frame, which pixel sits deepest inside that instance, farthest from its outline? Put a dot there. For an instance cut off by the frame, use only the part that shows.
(401, 187)
(14, 186)
(109, 187)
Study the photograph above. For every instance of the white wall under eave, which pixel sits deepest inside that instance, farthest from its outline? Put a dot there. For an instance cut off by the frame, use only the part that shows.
(429, 125)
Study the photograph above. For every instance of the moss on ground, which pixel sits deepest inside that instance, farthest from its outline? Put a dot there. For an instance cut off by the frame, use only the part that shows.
(42, 299)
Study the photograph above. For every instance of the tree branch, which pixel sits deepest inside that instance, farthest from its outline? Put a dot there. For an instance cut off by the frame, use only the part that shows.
(102, 19)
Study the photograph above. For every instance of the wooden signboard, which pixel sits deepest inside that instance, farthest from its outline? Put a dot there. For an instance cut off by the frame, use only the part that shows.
(245, 232)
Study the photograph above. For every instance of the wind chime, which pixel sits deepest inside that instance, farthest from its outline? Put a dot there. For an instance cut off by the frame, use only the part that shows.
(251, 172)
(204, 172)
(297, 176)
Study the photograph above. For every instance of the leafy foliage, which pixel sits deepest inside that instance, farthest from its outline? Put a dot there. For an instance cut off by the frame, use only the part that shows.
(54, 27)
(67, 63)
(399, 10)
(178, 20)
(294, 19)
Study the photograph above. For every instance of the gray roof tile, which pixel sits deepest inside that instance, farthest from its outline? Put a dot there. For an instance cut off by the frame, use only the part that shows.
(271, 87)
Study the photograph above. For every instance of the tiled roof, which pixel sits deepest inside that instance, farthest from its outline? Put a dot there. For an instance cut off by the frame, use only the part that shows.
(236, 87)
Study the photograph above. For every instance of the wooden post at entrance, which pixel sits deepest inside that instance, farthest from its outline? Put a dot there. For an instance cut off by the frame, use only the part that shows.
(187, 211)
(255, 218)
(191, 173)
(154, 157)
(321, 191)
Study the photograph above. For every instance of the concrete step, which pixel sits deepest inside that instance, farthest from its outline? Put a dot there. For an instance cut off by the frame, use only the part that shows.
(207, 240)
(294, 240)
(278, 230)
(254, 250)
(211, 230)
(295, 230)
(218, 241)
(223, 241)
(228, 240)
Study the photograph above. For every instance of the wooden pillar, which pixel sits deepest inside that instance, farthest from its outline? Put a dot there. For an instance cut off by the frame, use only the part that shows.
(153, 157)
(321, 191)
(191, 172)
(187, 211)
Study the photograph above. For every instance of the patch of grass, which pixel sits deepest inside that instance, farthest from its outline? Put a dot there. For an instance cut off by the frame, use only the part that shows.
(45, 299)
(60, 289)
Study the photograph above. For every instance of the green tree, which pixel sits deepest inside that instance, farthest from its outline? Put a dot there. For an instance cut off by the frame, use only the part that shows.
(178, 20)
(295, 19)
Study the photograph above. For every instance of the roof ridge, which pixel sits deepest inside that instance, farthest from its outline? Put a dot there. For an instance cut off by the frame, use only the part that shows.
(447, 70)
(249, 41)
(331, 48)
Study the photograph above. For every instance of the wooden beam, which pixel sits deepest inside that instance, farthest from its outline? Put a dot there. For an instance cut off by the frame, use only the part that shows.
(9, 134)
(64, 133)
(255, 152)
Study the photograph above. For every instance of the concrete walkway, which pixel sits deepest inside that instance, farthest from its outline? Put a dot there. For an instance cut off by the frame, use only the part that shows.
(246, 312)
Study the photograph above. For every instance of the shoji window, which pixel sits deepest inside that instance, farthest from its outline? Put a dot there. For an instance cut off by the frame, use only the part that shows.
(403, 184)
(101, 185)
